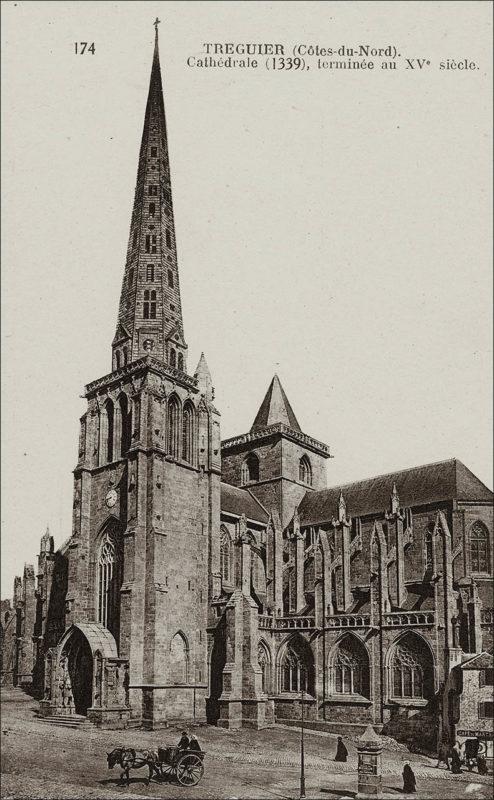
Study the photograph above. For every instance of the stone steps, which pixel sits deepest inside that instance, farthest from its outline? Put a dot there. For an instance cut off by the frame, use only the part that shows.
(76, 721)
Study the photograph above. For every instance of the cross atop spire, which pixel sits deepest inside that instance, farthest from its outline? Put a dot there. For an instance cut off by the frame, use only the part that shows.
(156, 23)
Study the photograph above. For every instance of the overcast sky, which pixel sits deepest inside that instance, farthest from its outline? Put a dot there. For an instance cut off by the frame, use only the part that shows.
(333, 227)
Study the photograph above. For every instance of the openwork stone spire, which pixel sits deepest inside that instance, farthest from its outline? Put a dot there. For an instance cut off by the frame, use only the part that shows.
(150, 312)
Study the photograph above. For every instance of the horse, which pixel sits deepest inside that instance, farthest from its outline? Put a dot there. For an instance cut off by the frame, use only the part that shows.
(129, 758)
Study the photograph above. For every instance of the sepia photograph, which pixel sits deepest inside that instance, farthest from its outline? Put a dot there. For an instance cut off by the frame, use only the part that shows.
(247, 518)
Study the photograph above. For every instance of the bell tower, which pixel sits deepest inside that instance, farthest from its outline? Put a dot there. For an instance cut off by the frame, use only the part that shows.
(147, 480)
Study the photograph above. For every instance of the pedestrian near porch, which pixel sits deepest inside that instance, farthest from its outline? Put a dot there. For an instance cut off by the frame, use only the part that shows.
(341, 751)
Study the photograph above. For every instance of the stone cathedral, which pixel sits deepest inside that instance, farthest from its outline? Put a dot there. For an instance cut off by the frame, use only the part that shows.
(215, 580)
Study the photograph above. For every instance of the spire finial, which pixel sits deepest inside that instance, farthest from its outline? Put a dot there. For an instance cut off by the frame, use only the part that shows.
(156, 23)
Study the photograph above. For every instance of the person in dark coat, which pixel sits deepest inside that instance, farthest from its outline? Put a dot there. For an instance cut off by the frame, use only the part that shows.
(341, 751)
(443, 754)
(194, 744)
(456, 759)
(184, 741)
(409, 783)
(481, 765)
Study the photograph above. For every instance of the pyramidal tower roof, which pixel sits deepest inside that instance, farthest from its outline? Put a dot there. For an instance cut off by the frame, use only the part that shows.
(275, 408)
(150, 312)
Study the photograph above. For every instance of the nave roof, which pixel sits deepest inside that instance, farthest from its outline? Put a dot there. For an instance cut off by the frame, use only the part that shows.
(429, 483)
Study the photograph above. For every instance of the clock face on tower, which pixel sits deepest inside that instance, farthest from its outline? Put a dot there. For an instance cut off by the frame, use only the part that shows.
(111, 498)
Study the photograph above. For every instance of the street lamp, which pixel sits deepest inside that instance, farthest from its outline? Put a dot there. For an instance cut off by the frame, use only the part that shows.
(302, 755)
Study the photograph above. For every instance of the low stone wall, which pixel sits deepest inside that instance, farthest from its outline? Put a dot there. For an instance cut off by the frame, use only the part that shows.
(417, 729)
(339, 728)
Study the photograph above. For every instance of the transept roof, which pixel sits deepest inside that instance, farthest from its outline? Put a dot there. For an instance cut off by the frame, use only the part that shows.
(240, 501)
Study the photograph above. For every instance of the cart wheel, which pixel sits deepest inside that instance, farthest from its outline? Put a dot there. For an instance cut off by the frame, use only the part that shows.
(190, 770)
(166, 771)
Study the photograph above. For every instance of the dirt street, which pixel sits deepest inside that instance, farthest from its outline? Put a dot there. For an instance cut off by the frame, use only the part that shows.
(45, 761)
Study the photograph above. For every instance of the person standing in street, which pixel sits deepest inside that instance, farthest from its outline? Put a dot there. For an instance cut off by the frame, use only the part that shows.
(409, 782)
(341, 751)
(456, 759)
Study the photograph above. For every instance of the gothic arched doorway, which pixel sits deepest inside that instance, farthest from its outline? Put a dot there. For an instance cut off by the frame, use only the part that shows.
(76, 663)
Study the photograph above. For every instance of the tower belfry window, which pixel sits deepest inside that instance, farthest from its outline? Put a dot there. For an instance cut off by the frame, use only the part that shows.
(305, 471)
(250, 469)
(149, 308)
(153, 191)
(150, 273)
(168, 238)
(152, 209)
(170, 279)
(150, 243)
(154, 152)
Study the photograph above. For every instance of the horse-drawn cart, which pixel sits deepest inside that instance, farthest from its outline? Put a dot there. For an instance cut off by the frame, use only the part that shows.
(184, 765)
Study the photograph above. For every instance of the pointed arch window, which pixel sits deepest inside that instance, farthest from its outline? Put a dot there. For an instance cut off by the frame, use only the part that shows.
(305, 471)
(351, 668)
(179, 659)
(188, 438)
(411, 669)
(265, 665)
(407, 675)
(126, 423)
(152, 209)
(173, 358)
(479, 548)
(297, 667)
(173, 427)
(109, 580)
(180, 363)
(117, 359)
(110, 419)
(226, 555)
(168, 238)
(250, 469)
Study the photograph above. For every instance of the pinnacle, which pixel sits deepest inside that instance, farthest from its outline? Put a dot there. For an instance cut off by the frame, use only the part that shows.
(203, 376)
(275, 408)
(202, 369)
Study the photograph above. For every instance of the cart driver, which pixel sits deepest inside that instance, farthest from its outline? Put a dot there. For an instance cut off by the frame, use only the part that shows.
(184, 741)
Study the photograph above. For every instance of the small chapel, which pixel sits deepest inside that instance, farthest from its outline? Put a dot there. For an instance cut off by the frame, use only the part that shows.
(220, 581)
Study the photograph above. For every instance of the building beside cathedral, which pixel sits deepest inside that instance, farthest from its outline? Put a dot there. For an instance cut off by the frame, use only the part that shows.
(214, 580)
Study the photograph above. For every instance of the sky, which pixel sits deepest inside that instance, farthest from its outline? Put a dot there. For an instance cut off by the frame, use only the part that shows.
(332, 227)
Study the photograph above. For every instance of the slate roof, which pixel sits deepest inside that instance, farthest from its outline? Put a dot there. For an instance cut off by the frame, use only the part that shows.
(482, 661)
(430, 483)
(240, 501)
(275, 408)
